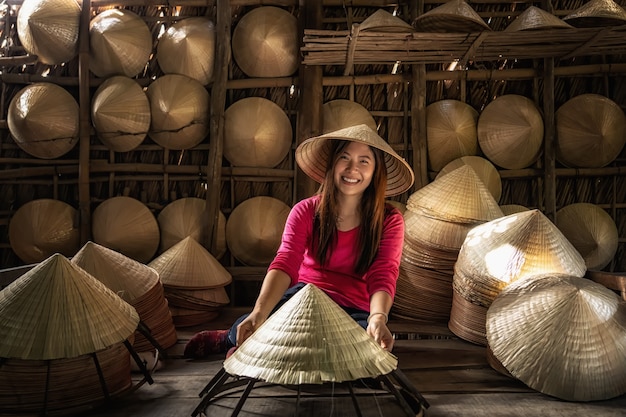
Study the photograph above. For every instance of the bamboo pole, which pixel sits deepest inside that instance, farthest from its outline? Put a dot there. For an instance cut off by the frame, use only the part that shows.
(84, 198)
(549, 177)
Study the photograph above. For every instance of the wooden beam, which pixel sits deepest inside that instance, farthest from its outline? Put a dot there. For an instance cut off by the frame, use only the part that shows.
(84, 198)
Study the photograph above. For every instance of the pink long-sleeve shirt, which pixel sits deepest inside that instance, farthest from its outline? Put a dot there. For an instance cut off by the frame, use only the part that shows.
(296, 258)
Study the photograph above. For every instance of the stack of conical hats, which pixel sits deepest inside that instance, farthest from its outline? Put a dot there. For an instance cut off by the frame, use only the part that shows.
(497, 253)
(437, 219)
(137, 284)
(194, 282)
(485, 170)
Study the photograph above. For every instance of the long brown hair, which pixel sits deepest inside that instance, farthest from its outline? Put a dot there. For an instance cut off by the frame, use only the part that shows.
(372, 210)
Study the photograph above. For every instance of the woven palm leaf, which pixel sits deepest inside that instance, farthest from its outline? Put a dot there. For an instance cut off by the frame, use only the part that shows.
(510, 131)
(49, 29)
(43, 227)
(536, 18)
(257, 133)
(120, 43)
(590, 131)
(310, 340)
(120, 113)
(485, 170)
(188, 48)
(57, 310)
(180, 111)
(43, 120)
(597, 13)
(126, 225)
(450, 132)
(452, 16)
(512, 208)
(561, 335)
(340, 113)
(383, 21)
(265, 42)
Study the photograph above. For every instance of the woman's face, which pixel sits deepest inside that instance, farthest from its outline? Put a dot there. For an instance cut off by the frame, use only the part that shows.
(354, 169)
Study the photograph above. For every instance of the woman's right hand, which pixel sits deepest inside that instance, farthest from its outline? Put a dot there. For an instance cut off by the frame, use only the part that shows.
(248, 326)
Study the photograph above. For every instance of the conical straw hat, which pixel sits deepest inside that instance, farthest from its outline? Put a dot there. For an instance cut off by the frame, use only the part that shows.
(126, 225)
(188, 48)
(180, 111)
(57, 310)
(340, 113)
(310, 340)
(383, 21)
(265, 42)
(458, 196)
(450, 132)
(435, 232)
(561, 335)
(589, 131)
(597, 13)
(43, 227)
(49, 29)
(257, 133)
(120, 113)
(43, 120)
(485, 170)
(254, 229)
(591, 230)
(189, 265)
(187, 217)
(452, 16)
(120, 43)
(126, 277)
(512, 208)
(536, 18)
(510, 131)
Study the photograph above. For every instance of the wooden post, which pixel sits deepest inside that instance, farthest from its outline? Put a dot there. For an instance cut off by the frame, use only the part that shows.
(549, 140)
(84, 209)
(418, 115)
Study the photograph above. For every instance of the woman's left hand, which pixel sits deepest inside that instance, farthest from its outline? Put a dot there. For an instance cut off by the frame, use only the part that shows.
(377, 328)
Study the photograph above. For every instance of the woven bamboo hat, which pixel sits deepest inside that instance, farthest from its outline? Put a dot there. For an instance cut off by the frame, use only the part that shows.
(591, 230)
(43, 120)
(120, 113)
(188, 48)
(49, 29)
(561, 335)
(510, 131)
(450, 132)
(312, 156)
(257, 133)
(180, 111)
(536, 18)
(339, 114)
(43, 227)
(189, 265)
(120, 43)
(452, 16)
(597, 13)
(265, 42)
(254, 229)
(589, 131)
(383, 21)
(485, 170)
(126, 225)
(310, 340)
(57, 310)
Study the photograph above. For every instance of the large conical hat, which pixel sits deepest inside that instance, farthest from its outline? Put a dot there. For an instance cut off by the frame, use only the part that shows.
(561, 335)
(485, 170)
(597, 13)
(310, 340)
(452, 16)
(57, 310)
(536, 18)
(383, 21)
(340, 113)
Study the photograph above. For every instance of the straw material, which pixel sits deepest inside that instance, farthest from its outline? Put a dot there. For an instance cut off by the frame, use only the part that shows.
(43, 227)
(188, 48)
(180, 111)
(198, 299)
(536, 18)
(452, 16)
(339, 114)
(257, 133)
(254, 229)
(450, 132)
(310, 340)
(43, 120)
(189, 265)
(561, 335)
(435, 232)
(265, 42)
(57, 310)
(120, 113)
(120, 43)
(485, 170)
(187, 217)
(590, 131)
(312, 156)
(591, 230)
(383, 21)
(49, 29)
(510, 131)
(467, 320)
(126, 225)
(512, 208)
(597, 13)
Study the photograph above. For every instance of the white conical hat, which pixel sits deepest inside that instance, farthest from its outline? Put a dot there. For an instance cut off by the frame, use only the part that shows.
(310, 340)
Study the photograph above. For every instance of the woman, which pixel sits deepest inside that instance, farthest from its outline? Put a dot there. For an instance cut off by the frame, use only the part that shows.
(345, 239)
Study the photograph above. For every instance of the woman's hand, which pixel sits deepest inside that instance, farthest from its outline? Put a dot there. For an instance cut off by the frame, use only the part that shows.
(377, 328)
(248, 326)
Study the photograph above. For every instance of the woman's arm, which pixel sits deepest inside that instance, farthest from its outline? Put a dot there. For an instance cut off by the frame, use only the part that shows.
(380, 304)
